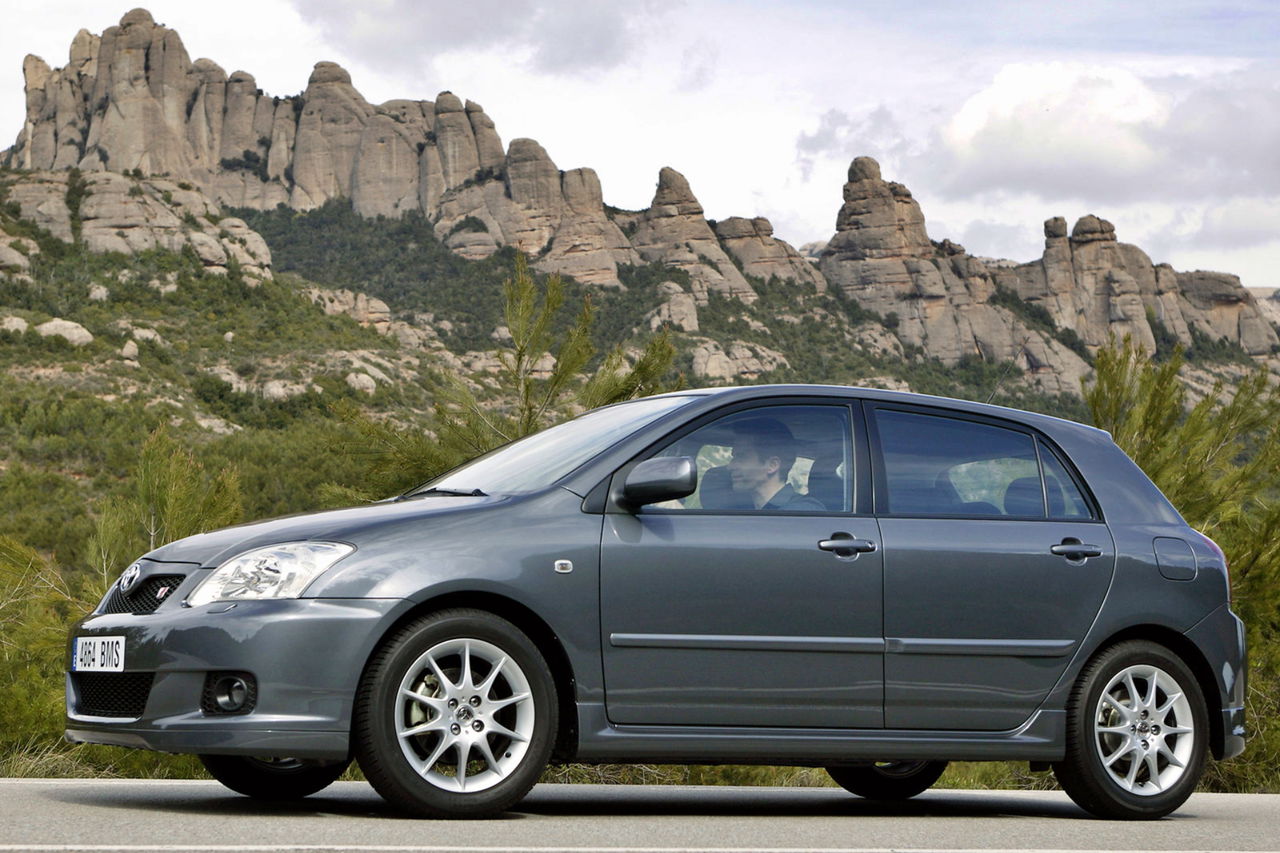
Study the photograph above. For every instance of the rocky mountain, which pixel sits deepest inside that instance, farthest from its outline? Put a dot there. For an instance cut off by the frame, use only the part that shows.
(111, 212)
(140, 120)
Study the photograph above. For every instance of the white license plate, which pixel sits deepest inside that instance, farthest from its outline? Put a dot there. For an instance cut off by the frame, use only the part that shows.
(98, 654)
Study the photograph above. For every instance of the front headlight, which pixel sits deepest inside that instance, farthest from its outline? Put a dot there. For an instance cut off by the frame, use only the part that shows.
(280, 571)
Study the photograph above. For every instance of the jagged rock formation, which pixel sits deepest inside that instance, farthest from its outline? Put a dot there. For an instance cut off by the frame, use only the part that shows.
(366, 310)
(132, 99)
(673, 231)
(1098, 286)
(740, 360)
(882, 257)
(116, 213)
(1269, 305)
(752, 243)
(679, 309)
(1088, 282)
(15, 254)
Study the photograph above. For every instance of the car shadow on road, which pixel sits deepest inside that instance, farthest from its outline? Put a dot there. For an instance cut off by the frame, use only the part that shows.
(348, 801)
(357, 800)
(568, 801)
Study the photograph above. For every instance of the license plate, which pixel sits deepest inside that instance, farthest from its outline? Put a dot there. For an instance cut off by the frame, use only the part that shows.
(98, 654)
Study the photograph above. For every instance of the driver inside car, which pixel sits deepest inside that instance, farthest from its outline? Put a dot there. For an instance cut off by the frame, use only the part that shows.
(763, 453)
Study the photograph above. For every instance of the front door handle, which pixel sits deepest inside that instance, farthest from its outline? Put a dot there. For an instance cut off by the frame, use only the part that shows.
(1075, 550)
(845, 545)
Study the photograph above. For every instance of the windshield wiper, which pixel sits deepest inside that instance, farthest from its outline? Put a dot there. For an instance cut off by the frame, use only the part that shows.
(448, 493)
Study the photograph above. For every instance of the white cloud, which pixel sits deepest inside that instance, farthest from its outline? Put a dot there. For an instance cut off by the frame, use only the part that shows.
(1239, 222)
(551, 36)
(1049, 126)
(1108, 134)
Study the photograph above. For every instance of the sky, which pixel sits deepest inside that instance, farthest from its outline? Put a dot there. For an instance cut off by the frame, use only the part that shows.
(1162, 116)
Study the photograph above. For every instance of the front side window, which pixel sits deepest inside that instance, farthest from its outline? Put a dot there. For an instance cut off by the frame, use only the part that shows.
(949, 467)
(770, 459)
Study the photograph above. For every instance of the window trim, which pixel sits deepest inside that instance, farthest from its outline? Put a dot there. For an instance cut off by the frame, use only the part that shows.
(880, 472)
(861, 483)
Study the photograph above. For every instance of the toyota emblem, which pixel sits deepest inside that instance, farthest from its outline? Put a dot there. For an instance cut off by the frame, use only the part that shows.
(130, 577)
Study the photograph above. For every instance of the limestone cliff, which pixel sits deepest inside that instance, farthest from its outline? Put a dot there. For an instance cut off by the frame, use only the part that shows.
(133, 101)
(120, 213)
(1088, 283)
(882, 257)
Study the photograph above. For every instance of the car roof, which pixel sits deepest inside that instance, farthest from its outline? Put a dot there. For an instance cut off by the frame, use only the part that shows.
(1047, 422)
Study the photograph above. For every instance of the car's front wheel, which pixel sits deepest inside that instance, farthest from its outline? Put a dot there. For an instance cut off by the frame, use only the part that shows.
(1137, 731)
(888, 780)
(273, 778)
(456, 716)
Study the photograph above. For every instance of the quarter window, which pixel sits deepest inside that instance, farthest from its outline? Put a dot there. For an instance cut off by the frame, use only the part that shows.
(1065, 499)
(948, 467)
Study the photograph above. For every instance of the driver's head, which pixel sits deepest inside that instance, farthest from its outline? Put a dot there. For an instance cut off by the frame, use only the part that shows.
(763, 453)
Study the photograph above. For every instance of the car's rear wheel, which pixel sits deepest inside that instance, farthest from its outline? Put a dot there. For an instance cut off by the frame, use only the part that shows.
(888, 780)
(456, 716)
(1137, 730)
(273, 778)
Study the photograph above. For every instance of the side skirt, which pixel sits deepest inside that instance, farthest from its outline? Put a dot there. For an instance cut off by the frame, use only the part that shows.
(1040, 738)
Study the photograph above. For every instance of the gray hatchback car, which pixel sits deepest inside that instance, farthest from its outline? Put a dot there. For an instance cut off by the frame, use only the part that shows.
(872, 582)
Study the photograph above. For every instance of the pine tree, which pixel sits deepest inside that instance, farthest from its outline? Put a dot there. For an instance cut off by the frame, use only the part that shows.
(542, 380)
(170, 496)
(1216, 461)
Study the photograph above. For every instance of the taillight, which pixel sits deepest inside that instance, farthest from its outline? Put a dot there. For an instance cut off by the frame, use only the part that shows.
(1222, 555)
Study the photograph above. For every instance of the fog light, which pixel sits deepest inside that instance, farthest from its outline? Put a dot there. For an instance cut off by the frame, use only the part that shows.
(229, 693)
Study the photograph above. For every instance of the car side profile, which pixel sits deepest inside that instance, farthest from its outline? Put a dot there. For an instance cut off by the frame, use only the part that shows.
(873, 582)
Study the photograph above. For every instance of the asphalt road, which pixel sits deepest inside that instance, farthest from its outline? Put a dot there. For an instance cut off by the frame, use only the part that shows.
(104, 815)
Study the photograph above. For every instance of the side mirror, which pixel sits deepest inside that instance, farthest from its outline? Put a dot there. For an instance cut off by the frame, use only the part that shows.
(663, 479)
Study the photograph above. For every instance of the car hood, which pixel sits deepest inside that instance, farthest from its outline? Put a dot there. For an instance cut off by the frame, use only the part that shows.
(349, 525)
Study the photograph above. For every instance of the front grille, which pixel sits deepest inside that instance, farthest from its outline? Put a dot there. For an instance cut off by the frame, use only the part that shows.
(112, 694)
(143, 598)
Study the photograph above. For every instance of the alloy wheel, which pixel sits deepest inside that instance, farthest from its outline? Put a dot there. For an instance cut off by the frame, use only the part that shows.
(465, 715)
(1144, 731)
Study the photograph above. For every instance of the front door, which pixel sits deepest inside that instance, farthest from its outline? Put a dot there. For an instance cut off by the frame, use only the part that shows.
(737, 606)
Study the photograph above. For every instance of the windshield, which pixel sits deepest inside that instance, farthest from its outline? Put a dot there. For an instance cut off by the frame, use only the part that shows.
(538, 460)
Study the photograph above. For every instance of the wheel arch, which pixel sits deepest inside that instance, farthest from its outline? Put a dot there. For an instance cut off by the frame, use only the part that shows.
(533, 626)
(1190, 654)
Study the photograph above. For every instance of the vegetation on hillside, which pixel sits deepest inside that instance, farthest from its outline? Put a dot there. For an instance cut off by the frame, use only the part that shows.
(543, 379)
(102, 456)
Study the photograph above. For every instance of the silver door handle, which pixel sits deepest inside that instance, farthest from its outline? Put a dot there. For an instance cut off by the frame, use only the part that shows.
(856, 546)
(1075, 550)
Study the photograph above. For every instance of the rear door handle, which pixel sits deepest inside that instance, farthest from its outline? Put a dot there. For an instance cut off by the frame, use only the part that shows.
(845, 546)
(1075, 550)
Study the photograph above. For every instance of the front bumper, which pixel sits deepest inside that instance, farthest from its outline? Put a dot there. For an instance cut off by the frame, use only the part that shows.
(307, 656)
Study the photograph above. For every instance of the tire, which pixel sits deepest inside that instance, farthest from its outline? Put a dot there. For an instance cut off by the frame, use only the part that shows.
(888, 780)
(456, 716)
(1135, 714)
(277, 779)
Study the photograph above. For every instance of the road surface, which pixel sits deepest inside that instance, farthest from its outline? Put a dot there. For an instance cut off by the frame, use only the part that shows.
(106, 815)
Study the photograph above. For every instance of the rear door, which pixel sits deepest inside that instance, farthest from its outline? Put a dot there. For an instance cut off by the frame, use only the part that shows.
(996, 564)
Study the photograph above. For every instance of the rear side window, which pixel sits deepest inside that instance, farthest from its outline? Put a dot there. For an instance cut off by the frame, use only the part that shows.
(949, 467)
